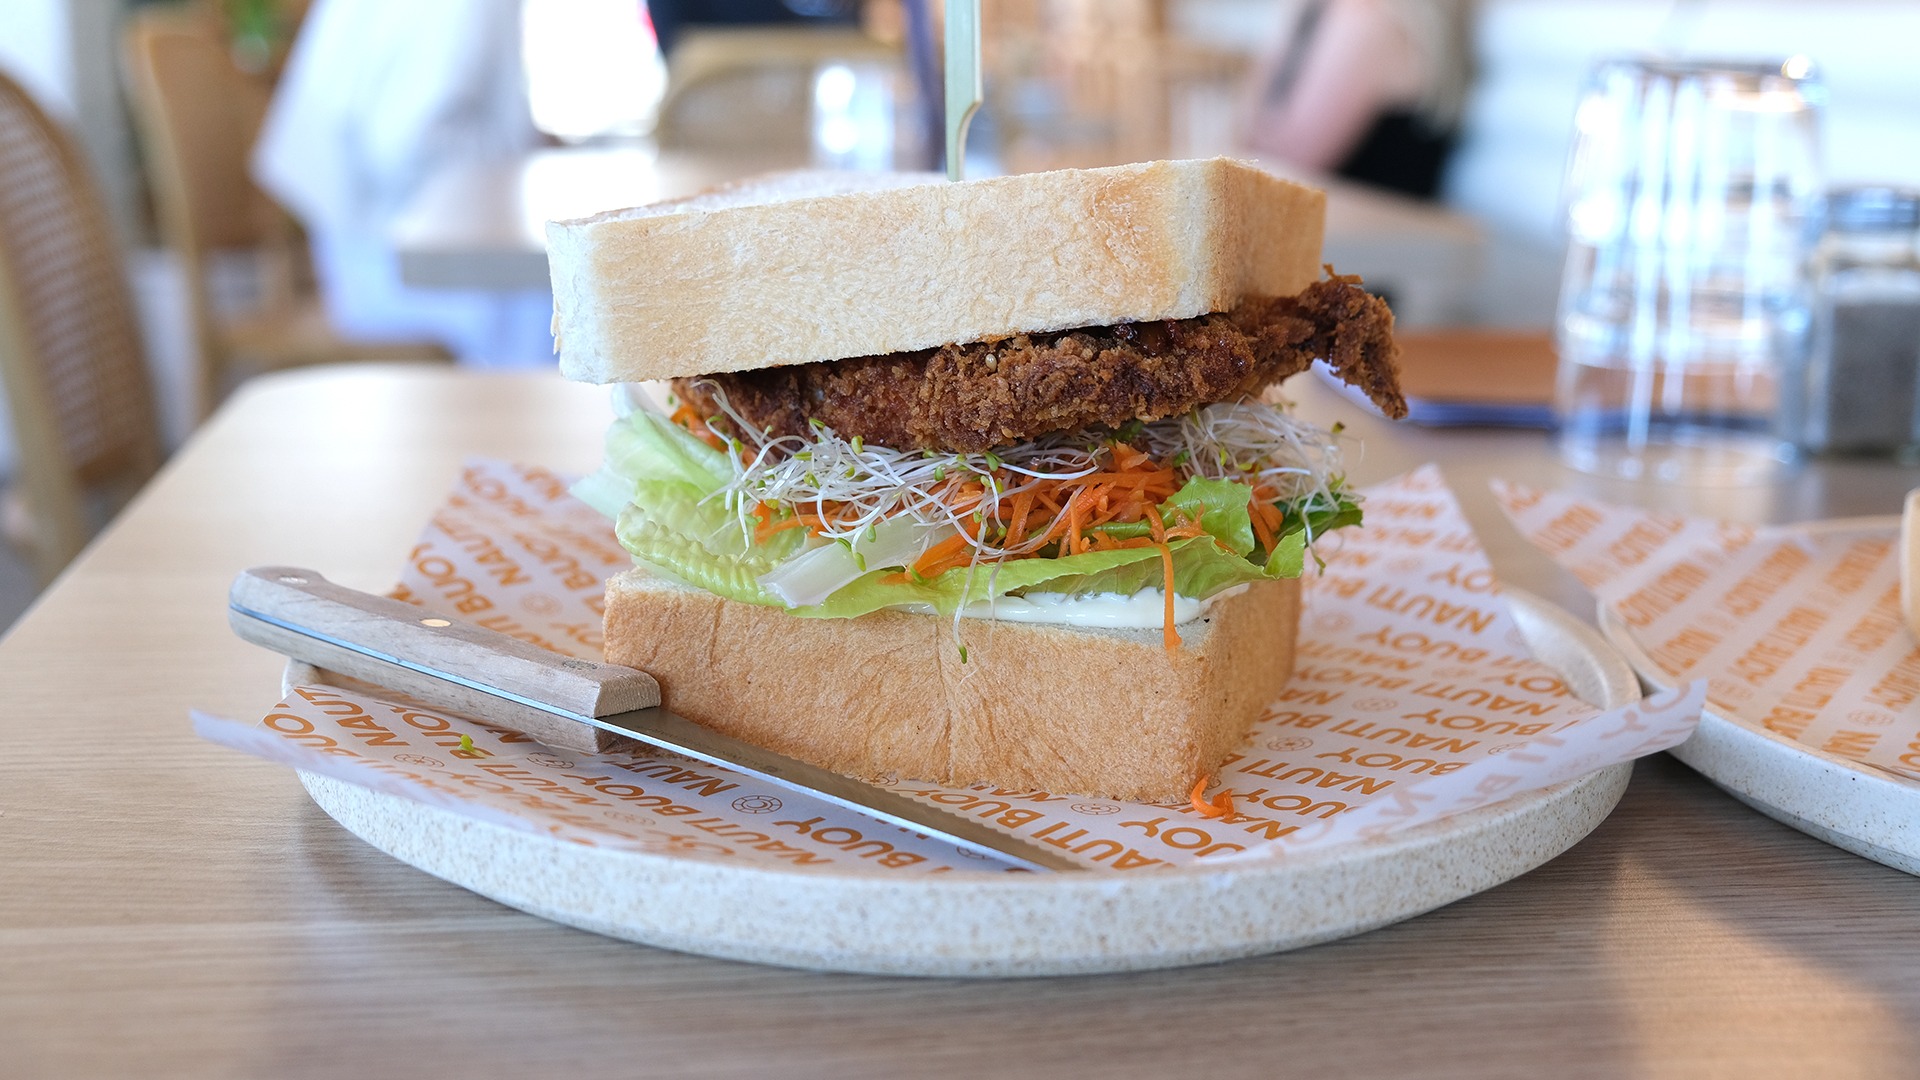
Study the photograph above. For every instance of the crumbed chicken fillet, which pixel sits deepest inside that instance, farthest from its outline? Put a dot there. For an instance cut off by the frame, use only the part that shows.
(988, 394)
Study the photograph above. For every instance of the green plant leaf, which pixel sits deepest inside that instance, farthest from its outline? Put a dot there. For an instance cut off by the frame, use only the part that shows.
(1221, 506)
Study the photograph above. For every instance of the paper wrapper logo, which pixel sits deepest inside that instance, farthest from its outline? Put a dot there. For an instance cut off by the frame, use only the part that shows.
(1414, 698)
(1796, 631)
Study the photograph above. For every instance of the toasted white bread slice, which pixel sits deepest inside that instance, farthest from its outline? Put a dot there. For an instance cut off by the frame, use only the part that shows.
(803, 267)
(886, 695)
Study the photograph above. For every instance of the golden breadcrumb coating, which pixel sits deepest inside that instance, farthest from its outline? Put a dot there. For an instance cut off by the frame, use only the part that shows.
(988, 394)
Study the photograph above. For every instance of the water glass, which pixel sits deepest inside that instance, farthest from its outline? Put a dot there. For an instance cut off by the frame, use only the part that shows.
(1693, 195)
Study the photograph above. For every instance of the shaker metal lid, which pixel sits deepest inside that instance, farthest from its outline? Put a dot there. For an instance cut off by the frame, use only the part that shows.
(1873, 209)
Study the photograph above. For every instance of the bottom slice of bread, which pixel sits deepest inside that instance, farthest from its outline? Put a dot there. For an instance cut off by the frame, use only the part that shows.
(1061, 709)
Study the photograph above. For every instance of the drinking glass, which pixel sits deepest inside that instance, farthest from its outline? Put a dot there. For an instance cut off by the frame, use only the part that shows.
(1692, 194)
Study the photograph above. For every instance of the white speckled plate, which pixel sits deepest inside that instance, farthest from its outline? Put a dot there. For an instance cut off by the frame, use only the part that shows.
(1865, 810)
(1019, 924)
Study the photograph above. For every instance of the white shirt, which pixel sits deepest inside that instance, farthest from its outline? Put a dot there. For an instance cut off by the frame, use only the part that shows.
(376, 95)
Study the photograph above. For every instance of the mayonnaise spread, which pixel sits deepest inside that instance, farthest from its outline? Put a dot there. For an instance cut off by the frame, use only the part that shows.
(1145, 609)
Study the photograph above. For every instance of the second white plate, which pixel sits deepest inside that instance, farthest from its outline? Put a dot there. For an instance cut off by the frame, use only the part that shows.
(1848, 804)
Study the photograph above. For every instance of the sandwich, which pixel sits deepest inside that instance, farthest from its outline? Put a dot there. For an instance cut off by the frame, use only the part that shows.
(970, 483)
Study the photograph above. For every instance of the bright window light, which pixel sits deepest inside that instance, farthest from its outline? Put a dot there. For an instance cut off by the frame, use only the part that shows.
(593, 67)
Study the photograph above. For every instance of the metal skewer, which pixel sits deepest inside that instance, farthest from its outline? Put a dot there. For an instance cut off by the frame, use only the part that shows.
(964, 88)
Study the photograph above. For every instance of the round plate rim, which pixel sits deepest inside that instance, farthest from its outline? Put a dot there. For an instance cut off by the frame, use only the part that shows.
(1721, 739)
(1016, 892)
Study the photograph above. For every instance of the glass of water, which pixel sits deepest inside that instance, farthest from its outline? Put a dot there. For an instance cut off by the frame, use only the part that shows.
(1693, 196)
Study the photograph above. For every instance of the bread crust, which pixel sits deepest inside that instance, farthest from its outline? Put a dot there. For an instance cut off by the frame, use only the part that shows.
(1092, 712)
(732, 282)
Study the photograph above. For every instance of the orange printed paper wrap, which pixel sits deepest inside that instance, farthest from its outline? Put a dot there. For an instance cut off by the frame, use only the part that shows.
(1797, 630)
(1414, 698)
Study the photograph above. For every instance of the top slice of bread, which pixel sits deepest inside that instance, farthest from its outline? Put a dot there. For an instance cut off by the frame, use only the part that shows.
(801, 267)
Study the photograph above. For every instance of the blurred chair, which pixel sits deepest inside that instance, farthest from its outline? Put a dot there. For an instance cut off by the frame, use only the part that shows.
(70, 352)
(751, 89)
(199, 115)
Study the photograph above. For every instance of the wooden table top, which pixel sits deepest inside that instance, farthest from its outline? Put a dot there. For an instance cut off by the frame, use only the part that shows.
(172, 908)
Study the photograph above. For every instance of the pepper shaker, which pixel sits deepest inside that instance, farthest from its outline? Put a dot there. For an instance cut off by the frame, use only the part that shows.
(1856, 392)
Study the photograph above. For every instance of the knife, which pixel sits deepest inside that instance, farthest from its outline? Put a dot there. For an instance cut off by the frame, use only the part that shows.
(562, 701)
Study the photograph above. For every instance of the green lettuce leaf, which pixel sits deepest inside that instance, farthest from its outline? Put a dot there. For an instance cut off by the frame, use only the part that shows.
(645, 446)
(642, 446)
(683, 559)
(685, 510)
(957, 588)
(1221, 506)
(1299, 530)
(663, 487)
(1201, 568)
(1289, 555)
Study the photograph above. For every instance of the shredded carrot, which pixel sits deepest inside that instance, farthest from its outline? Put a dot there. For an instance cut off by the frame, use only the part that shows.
(1187, 529)
(1221, 806)
(1161, 479)
(761, 534)
(1168, 635)
(1127, 457)
(814, 522)
(939, 553)
(951, 562)
(696, 426)
(1044, 517)
(1267, 517)
(1262, 531)
(1022, 506)
(966, 496)
(1073, 512)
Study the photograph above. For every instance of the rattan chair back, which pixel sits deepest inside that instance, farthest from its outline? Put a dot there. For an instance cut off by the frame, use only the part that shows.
(199, 115)
(75, 372)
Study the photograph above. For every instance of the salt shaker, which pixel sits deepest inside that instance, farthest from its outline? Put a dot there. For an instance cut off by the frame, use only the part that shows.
(1856, 393)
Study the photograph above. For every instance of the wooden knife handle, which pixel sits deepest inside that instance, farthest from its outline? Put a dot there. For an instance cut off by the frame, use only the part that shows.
(306, 600)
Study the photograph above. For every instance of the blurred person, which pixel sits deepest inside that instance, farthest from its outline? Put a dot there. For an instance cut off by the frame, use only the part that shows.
(374, 98)
(671, 16)
(1370, 90)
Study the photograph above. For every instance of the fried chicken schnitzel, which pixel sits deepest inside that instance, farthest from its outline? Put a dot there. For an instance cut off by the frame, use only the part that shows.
(988, 394)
